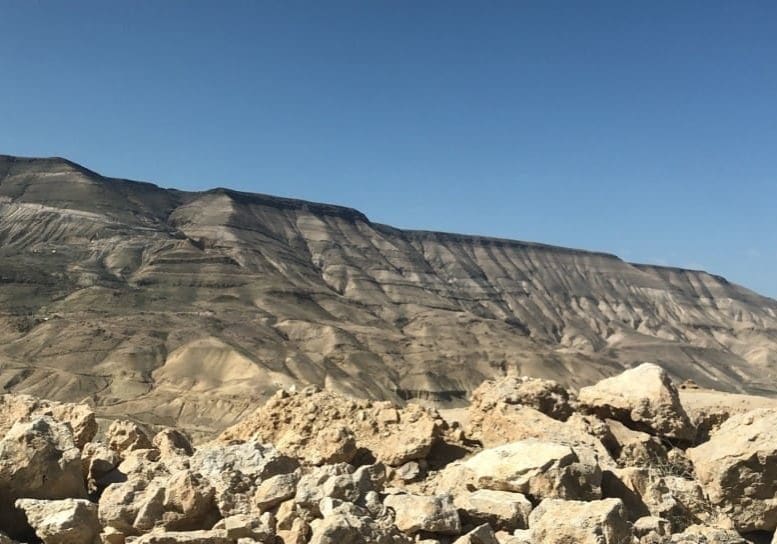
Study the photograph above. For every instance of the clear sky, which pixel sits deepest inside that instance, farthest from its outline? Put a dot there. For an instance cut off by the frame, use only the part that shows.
(645, 129)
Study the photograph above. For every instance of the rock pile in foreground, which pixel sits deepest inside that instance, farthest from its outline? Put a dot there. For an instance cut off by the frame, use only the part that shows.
(620, 463)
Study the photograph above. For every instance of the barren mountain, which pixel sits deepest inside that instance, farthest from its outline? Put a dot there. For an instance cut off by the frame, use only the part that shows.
(190, 308)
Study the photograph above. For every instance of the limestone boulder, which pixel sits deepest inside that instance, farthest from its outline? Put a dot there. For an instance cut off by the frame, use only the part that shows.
(275, 490)
(546, 396)
(556, 521)
(172, 443)
(427, 513)
(705, 534)
(511, 423)
(482, 534)
(537, 469)
(185, 537)
(97, 461)
(236, 469)
(634, 448)
(347, 528)
(322, 427)
(125, 436)
(502, 510)
(20, 408)
(66, 521)
(189, 502)
(738, 469)
(642, 398)
(39, 460)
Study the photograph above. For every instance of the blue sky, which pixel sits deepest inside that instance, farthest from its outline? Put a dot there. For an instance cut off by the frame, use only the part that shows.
(646, 129)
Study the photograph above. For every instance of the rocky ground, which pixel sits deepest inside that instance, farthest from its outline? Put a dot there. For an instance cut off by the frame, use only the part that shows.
(622, 461)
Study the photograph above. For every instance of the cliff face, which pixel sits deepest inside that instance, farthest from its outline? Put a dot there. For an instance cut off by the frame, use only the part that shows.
(188, 308)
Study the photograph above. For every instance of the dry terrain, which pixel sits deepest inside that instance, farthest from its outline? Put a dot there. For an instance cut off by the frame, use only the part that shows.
(193, 308)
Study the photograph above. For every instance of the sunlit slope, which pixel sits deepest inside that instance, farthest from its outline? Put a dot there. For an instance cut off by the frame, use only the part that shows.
(190, 307)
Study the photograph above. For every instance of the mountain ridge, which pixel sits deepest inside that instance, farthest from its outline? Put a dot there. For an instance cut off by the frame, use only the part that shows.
(190, 307)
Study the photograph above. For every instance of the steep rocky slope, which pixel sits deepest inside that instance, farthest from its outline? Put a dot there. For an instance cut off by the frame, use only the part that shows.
(190, 308)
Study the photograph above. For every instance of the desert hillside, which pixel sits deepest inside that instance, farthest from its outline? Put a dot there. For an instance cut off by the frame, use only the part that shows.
(191, 308)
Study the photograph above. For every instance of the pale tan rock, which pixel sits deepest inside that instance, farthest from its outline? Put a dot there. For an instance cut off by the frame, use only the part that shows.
(299, 532)
(703, 534)
(431, 514)
(335, 481)
(97, 461)
(189, 502)
(235, 470)
(172, 443)
(343, 528)
(112, 536)
(546, 396)
(643, 398)
(65, 521)
(646, 525)
(336, 444)
(635, 448)
(503, 510)
(20, 408)
(125, 436)
(511, 423)
(317, 426)
(535, 468)
(185, 537)
(38, 459)
(275, 490)
(248, 526)
(482, 534)
(737, 469)
(556, 521)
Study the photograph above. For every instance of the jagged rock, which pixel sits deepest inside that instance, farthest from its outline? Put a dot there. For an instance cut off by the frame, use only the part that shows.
(556, 521)
(651, 526)
(431, 514)
(329, 481)
(134, 501)
(344, 528)
(511, 423)
(125, 436)
(275, 490)
(111, 535)
(408, 472)
(627, 484)
(172, 443)
(634, 448)
(189, 502)
(680, 501)
(19, 408)
(297, 533)
(521, 536)
(643, 398)
(38, 459)
(738, 469)
(97, 461)
(535, 468)
(317, 427)
(245, 526)
(65, 521)
(185, 537)
(482, 534)
(500, 509)
(236, 470)
(702, 534)
(546, 396)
